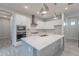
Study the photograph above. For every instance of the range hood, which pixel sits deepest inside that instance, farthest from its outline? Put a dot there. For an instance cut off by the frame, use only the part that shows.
(33, 21)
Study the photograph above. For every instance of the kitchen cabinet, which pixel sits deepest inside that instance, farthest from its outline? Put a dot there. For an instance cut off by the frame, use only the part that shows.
(22, 20)
(56, 22)
(48, 25)
(44, 25)
(19, 20)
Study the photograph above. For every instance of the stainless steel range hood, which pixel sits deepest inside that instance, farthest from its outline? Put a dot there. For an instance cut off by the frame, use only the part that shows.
(33, 21)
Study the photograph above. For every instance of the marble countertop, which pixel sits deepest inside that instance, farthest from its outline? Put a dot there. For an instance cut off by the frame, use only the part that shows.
(39, 43)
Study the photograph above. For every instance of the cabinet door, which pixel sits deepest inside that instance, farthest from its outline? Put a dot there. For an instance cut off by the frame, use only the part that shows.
(45, 25)
(22, 20)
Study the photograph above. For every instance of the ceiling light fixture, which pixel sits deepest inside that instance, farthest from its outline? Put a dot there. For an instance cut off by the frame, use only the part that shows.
(44, 10)
(5, 16)
(26, 7)
(55, 18)
(37, 12)
(65, 24)
(66, 8)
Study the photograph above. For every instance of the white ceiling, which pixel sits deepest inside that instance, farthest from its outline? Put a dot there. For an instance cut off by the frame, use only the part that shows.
(33, 8)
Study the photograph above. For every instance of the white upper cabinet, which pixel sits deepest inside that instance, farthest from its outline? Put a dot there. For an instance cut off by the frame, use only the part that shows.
(28, 22)
(48, 25)
(44, 25)
(57, 22)
(22, 20)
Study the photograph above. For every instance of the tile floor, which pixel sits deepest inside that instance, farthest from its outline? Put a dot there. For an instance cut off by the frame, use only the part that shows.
(71, 49)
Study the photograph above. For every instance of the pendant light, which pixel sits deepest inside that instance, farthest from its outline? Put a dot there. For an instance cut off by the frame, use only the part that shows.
(44, 10)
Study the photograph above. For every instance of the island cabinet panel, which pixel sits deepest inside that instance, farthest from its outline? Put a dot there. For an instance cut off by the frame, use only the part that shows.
(50, 50)
(26, 50)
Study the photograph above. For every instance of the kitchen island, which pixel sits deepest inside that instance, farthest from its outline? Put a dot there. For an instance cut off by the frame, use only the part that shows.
(42, 45)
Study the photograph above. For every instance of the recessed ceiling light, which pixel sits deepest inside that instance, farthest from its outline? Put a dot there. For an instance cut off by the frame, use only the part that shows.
(66, 8)
(37, 12)
(65, 24)
(55, 18)
(4, 16)
(26, 7)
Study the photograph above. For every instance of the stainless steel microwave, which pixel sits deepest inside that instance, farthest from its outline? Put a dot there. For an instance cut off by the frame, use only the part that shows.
(21, 27)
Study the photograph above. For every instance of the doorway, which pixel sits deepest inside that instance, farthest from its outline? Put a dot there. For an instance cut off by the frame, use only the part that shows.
(71, 32)
(5, 37)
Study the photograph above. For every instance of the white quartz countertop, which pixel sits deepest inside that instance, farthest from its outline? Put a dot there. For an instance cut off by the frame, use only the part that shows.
(39, 43)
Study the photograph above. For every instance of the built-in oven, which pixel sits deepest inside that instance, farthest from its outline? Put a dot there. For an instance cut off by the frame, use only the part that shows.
(21, 32)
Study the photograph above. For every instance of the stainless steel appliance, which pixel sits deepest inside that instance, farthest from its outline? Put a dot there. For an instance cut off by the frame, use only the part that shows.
(21, 32)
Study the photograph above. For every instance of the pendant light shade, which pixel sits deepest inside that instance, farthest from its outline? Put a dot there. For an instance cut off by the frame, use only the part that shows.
(44, 10)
